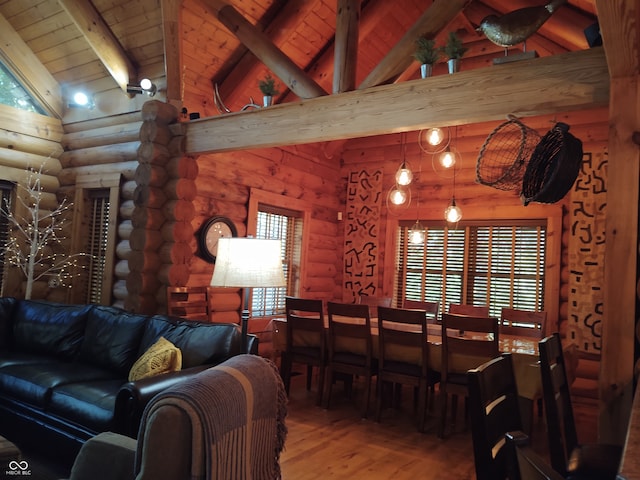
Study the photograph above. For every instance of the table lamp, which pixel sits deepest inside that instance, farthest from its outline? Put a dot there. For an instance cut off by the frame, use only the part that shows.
(247, 263)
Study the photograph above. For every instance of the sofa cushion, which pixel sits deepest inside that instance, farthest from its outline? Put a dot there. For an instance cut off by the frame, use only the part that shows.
(200, 343)
(90, 404)
(49, 328)
(32, 383)
(7, 306)
(112, 338)
(161, 357)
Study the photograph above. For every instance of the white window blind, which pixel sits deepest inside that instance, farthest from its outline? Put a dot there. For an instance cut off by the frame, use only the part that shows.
(286, 226)
(500, 265)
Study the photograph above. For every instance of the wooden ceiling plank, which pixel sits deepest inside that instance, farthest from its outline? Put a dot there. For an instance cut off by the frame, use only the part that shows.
(572, 81)
(102, 40)
(27, 68)
(263, 48)
(399, 58)
(619, 27)
(346, 46)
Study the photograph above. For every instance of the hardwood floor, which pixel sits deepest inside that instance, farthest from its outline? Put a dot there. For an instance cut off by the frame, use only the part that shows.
(338, 444)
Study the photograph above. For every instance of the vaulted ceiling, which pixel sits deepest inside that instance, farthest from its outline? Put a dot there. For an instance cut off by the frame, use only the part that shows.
(104, 44)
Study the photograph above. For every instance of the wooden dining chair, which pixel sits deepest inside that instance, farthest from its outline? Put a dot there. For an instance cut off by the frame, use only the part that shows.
(431, 308)
(463, 309)
(374, 303)
(350, 347)
(568, 457)
(524, 463)
(467, 342)
(523, 323)
(403, 357)
(494, 410)
(306, 342)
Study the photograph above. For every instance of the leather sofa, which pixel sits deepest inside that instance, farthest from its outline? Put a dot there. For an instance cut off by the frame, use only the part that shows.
(64, 369)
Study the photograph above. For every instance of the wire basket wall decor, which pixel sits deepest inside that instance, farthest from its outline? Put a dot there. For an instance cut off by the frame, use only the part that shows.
(553, 167)
(504, 155)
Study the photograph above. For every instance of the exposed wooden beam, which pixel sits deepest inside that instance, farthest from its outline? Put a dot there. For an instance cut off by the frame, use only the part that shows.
(620, 32)
(434, 19)
(27, 68)
(572, 81)
(261, 46)
(171, 14)
(102, 41)
(346, 46)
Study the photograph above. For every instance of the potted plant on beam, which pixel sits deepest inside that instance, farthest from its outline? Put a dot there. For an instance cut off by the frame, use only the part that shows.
(268, 88)
(454, 50)
(427, 54)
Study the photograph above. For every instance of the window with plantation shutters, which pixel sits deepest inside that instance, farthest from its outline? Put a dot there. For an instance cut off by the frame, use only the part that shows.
(97, 243)
(5, 197)
(286, 226)
(501, 264)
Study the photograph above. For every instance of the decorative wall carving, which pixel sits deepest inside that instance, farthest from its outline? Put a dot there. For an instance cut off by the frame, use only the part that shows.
(587, 209)
(364, 201)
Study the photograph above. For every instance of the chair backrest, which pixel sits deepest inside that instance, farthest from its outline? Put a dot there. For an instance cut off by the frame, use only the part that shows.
(476, 310)
(305, 315)
(525, 463)
(561, 427)
(523, 322)
(474, 338)
(398, 330)
(349, 329)
(431, 308)
(494, 411)
(374, 303)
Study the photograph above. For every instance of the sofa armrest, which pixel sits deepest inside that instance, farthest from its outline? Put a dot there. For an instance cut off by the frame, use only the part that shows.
(107, 456)
(134, 396)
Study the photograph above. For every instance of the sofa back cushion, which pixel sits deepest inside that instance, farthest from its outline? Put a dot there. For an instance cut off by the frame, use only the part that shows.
(7, 306)
(200, 343)
(112, 338)
(49, 328)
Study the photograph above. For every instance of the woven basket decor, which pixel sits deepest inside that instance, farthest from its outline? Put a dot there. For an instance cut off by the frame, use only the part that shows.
(504, 155)
(553, 167)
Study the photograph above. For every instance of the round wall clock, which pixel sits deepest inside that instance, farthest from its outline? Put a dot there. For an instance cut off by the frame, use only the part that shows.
(212, 230)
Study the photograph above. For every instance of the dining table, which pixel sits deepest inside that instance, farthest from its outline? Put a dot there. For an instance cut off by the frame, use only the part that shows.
(524, 351)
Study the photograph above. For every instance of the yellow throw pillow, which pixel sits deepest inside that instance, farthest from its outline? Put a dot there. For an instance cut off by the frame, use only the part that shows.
(161, 357)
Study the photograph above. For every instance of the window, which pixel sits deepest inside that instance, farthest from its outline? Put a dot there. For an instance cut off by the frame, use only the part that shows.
(97, 243)
(14, 94)
(501, 264)
(95, 208)
(286, 226)
(5, 198)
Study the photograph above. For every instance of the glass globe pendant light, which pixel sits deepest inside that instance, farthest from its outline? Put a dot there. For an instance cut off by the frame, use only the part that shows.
(452, 213)
(404, 175)
(416, 233)
(397, 196)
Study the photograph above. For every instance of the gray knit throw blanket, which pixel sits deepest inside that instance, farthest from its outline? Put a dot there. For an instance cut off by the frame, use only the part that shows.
(237, 412)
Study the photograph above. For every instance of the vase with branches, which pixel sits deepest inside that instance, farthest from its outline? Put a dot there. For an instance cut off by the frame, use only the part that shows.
(426, 54)
(35, 237)
(454, 49)
(268, 88)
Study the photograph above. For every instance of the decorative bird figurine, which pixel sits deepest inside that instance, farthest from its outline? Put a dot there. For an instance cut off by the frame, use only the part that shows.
(515, 27)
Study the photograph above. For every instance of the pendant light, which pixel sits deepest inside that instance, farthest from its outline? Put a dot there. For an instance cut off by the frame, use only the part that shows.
(450, 155)
(417, 231)
(452, 213)
(404, 175)
(434, 140)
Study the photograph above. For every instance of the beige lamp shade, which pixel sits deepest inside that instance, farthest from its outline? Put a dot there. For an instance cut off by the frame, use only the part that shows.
(248, 262)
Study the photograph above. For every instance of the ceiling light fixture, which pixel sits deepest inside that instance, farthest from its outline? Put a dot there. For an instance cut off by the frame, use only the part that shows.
(146, 87)
(434, 140)
(81, 100)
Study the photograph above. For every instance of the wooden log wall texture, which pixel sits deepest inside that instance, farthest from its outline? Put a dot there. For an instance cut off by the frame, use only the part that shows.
(300, 173)
(89, 151)
(432, 188)
(154, 262)
(29, 141)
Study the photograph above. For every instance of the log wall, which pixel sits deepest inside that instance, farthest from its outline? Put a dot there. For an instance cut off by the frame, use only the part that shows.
(433, 188)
